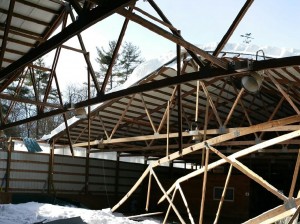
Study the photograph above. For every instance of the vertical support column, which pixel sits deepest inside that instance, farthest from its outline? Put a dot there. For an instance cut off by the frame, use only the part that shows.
(50, 170)
(87, 156)
(8, 163)
(117, 175)
(87, 170)
(179, 104)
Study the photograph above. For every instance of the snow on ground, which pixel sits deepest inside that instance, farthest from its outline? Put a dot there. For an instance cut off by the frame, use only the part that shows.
(31, 212)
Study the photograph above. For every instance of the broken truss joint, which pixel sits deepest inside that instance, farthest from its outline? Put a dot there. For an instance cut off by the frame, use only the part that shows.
(290, 203)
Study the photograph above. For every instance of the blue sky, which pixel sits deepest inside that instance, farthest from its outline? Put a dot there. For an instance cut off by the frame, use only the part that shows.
(271, 23)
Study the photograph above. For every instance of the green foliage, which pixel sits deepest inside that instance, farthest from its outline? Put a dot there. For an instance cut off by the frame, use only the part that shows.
(128, 58)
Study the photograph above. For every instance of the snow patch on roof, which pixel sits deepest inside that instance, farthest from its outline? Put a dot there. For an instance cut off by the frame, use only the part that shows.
(274, 52)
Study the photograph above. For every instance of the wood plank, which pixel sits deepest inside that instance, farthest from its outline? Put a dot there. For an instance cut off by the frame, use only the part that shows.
(187, 134)
(286, 96)
(236, 155)
(223, 195)
(228, 136)
(165, 194)
(295, 176)
(171, 37)
(276, 213)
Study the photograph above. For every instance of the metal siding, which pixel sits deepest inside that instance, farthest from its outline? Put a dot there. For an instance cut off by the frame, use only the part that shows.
(67, 160)
(107, 172)
(26, 185)
(29, 166)
(66, 177)
(123, 173)
(28, 175)
(69, 169)
(102, 180)
(30, 157)
(68, 187)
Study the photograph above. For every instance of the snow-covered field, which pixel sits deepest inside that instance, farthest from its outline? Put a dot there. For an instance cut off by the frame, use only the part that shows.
(31, 212)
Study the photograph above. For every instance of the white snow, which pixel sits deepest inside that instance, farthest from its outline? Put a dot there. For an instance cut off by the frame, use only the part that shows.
(31, 212)
(273, 52)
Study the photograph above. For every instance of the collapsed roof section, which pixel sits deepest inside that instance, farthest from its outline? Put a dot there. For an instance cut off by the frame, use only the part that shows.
(137, 123)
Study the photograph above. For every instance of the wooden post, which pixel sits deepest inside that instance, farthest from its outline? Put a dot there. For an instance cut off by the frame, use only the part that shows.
(205, 130)
(179, 101)
(87, 152)
(168, 128)
(204, 186)
(197, 101)
(117, 175)
(50, 170)
(295, 176)
(223, 195)
(87, 170)
(8, 163)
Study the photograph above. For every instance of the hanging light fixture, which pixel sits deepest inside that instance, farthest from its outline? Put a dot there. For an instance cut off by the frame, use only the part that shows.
(80, 113)
(252, 82)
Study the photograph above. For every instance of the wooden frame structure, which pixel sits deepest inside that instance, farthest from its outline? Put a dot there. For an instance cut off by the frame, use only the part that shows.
(191, 104)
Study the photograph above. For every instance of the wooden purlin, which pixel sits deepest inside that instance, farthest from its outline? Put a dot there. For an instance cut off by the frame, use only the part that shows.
(286, 96)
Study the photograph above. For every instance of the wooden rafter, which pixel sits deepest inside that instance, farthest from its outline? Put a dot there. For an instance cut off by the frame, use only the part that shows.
(286, 96)
(171, 37)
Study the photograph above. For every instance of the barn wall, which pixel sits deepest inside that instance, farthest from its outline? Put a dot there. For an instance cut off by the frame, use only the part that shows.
(29, 172)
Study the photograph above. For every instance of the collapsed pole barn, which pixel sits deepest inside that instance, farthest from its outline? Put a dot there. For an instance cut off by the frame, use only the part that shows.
(223, 112)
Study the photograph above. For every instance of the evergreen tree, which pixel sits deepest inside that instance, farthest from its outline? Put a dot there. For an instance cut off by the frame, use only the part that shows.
(126, 61)
(130, 59)
(104, 59)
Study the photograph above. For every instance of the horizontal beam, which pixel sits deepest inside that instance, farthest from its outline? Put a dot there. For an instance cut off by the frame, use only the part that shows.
(207, 72)
(190, 134)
